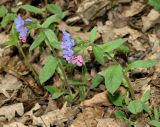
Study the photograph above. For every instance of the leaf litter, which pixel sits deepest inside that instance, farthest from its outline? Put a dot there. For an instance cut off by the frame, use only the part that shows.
(93, 112)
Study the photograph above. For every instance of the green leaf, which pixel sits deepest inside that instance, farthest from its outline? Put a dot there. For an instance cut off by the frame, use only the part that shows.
(48, 69)
(3, 11)
(156, 114)
(56, 93)
(96, 81)
(155, 4)
(124, 49)
(116, 99)
(98, 54)
(120, 115)
(142, 64)
(32, 9)
(50, 20)
(55, 9)
(8, 18)
(135, 106)
(39, 39)
(154, 123)
(146, 108)
(110, 46)
(52, 38)
(113, 77)
(93, 34)
(146, 96)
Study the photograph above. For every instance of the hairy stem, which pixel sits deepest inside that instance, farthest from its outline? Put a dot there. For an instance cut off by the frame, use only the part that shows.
(28, 64)
(59, 64)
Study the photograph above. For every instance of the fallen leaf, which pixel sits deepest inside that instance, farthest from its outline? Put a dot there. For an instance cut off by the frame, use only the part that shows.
(9, 83)
(55, 117)
(9, 112)
(134, 34)
(98, 99)
(14, 124)
(135, 8)
(87, 118)
(108, 122)
(150, 20)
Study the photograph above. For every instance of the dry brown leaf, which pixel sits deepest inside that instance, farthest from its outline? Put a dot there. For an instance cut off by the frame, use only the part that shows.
(139, 84)
(134, 34)
(135, 8)
(108, 122)
(8, 112)
(150, 20)
(30, 113)
(91, 9)
(54, 117)
(9, 83)
(87, 118)
(106, 31)
(14, 124)
(3, 38)
(98, 99)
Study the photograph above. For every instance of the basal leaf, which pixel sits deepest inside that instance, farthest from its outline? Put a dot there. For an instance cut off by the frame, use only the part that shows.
(98, 54)
(48, 69)
(52, 38)
(56, 93)
(32, 9)
(38, 40)
(50, 20)
(146, 96)
(93, 34)
(135, 106)
(113, 77)
(155, 4)
(120, 115)
(111, 46)
(155, 123)
(8, 18)
(3, 11)
(96, 81)
(116, 99)
(55, 9)
(142, 64)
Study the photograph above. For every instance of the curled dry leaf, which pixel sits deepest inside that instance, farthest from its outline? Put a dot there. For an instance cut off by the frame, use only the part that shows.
(150, 20)
(135, 8)
(108, 122)
(9, 83)
(55, 117)
(134, 34)
(8, 112)
(91, 9)
(14, 124)
(98, 99)
(88, 117)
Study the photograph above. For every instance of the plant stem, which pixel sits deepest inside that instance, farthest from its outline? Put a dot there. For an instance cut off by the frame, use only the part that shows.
(59, 64)
(28, 63)
(130, 88)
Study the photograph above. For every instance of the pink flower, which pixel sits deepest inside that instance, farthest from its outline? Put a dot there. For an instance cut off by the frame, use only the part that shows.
(78, 60)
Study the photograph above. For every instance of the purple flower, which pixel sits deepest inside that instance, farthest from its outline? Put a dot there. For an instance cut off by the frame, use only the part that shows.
(21, 28)
(68, 53)
(67, 41)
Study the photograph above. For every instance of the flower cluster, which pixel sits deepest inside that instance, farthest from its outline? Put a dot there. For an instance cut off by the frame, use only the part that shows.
(68, 52)
(21, 28)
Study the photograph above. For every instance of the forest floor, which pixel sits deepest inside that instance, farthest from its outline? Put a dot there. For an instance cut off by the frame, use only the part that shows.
(25, 103)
